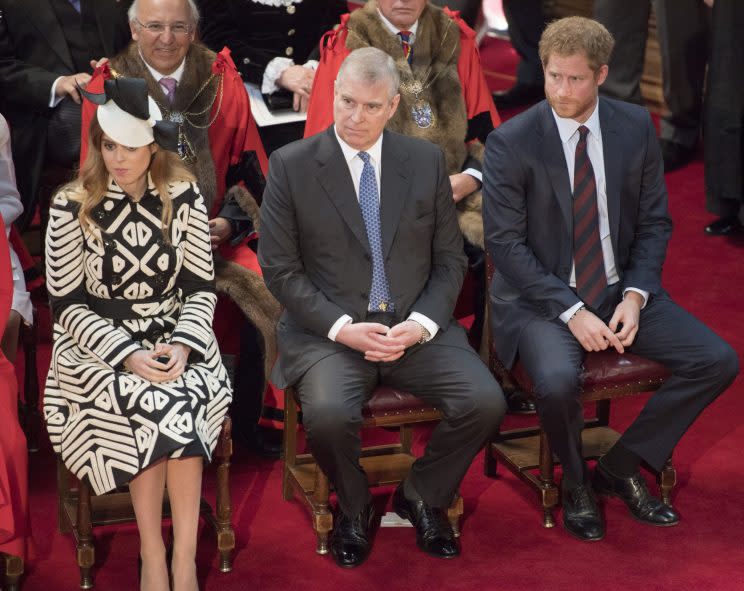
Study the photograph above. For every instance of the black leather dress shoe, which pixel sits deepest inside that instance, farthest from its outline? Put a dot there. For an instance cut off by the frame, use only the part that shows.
(350, 538)
(634, 493)
(518, 402)
(581, 515)
(434, 533)
(518, 95)
(724, 226)
(675, 155)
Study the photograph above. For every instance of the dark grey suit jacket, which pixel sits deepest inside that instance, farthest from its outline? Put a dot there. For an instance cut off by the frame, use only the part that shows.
(528, 217)
(316, 257)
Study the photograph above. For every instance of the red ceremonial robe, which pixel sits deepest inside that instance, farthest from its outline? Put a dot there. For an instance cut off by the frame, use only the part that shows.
(14, 530)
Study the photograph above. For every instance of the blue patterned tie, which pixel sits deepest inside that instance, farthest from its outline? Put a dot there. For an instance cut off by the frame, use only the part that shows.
(379, 297)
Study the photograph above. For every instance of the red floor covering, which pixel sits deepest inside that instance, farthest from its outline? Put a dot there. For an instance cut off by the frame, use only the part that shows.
(504, 544)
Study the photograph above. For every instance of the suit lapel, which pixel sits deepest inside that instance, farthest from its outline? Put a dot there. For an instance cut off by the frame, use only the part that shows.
(612, 152)
(394, 183)
(555, 163)
(335, 178)
(41, 14)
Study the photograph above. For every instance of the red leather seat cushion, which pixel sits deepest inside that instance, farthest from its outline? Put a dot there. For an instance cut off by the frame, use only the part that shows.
(387, 401)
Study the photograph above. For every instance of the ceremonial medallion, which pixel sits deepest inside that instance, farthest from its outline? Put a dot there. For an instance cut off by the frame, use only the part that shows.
(422, 114)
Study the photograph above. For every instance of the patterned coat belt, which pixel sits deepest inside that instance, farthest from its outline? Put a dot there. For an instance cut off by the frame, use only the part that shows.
(120, 309)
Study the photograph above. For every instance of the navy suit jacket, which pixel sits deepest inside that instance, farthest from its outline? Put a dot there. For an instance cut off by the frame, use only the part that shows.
(527, 213)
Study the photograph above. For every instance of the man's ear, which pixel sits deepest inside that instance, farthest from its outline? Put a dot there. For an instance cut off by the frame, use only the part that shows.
(394, 105)
(601, 75)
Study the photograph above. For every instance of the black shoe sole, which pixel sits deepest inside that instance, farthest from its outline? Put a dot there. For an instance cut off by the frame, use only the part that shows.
(610, 494)
(580, 538)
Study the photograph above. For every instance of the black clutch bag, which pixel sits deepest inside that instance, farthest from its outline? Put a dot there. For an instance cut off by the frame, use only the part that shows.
(281, 100)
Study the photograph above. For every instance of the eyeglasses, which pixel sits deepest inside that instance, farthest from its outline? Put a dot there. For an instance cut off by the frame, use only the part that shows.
(159, 28)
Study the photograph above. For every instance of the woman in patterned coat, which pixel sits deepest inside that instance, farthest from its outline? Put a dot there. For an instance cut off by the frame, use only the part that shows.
(136, 392)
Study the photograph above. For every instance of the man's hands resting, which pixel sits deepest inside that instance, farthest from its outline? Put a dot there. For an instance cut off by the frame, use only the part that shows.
(595, 335)
(377, 341)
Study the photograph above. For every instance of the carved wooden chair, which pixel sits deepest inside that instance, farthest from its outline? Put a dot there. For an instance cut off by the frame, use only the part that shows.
(384, 464)
(607, 376)
(79, 511)
(30, 415)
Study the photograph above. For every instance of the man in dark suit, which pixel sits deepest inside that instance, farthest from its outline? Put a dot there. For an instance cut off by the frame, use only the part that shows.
(576, 221)
(46, 47)
(368, 280)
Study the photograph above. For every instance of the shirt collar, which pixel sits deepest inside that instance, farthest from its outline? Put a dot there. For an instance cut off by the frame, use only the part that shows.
(375, 151)
(568, 127)
(178, 74)
(395, 30)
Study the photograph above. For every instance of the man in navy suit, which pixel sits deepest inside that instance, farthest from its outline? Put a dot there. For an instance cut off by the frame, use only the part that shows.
(576, 221)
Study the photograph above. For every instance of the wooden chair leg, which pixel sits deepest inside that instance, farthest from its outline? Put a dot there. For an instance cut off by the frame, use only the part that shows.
(667, 478)
(289, 442)
(548, 489)
(454, 513)
(406, 438)
(322, 516)
(13, 572)
(225, 532)
(86, 553)
(490, 463)
(63, 493)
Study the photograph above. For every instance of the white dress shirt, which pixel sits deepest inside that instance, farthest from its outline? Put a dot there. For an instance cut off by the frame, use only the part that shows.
(568, 129)
(356, 164)
(177, 75)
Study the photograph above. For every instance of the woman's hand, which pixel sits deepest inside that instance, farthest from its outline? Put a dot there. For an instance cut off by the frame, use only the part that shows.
(179, 357)
(144, 364)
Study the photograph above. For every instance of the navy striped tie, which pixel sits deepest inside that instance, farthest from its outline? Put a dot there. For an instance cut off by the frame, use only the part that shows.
(591, 279)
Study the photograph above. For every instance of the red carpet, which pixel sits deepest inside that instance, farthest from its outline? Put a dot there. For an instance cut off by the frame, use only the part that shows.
(504, 544)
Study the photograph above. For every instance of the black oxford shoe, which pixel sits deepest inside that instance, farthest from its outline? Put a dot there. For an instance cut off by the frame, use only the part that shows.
(724, 226)
(634, 493)
(581, 516)
(518, 402)
(350, 538)
(434, 533)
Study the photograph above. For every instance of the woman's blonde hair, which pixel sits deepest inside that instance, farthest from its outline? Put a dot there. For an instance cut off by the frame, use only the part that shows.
(92, 184)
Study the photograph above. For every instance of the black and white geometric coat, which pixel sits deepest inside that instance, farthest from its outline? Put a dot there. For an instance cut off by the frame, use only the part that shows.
(112, 293)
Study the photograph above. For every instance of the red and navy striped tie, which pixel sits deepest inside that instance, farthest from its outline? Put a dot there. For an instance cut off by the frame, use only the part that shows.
(591, 279)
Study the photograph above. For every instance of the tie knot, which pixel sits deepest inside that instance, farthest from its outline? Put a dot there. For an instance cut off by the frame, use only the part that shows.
(583, 132)
(405, 36)
(364, 156)
(169, 84)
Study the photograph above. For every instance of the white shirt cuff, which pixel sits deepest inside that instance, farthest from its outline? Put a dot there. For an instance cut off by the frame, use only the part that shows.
(476, 174)
(338, 325)
(566, 316)
(54, 100)
(426, 322)
(643, 293)
(312, 64)
(273, 71)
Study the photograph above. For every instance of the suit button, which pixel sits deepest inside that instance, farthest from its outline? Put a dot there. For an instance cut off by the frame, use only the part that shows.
(364, 295)
(289, 51)
(291, 9)
(291, 32)
(246, 60)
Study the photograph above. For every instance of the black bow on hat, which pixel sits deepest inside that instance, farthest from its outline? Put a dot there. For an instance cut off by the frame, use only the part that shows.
(130, 95)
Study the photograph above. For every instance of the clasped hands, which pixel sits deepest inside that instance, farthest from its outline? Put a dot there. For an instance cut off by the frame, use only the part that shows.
(377, 341)
(595, 335)
(145, 364)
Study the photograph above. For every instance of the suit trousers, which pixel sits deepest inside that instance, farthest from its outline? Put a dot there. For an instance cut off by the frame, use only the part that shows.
(683, 29)
(452, 379)
(702, 365)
